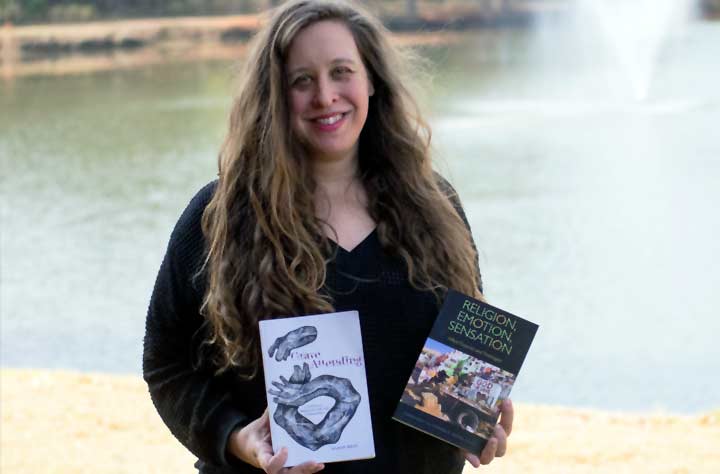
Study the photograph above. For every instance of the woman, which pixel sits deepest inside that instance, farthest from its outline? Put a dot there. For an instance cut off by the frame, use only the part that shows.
(326, 200)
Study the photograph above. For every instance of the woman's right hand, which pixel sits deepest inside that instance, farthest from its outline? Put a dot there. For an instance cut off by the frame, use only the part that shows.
(251, 444)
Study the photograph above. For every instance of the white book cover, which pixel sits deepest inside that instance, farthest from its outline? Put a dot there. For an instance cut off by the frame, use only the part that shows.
(317, 388)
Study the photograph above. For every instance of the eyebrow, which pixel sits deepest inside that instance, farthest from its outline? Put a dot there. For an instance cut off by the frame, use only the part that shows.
(334, 62)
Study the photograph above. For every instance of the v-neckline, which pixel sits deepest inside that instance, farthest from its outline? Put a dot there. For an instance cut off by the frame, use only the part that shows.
(358, 246)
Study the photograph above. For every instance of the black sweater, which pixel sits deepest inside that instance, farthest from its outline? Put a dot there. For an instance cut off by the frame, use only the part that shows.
(202, 409)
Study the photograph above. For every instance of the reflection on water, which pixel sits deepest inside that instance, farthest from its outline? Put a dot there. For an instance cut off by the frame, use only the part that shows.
(595, 215)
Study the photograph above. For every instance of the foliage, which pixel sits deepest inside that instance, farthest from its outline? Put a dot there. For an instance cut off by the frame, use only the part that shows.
(9, 10)
(29, 11)
(71, 13)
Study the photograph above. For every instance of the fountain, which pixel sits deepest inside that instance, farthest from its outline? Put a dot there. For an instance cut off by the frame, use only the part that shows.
(589, 144)
(635, 33)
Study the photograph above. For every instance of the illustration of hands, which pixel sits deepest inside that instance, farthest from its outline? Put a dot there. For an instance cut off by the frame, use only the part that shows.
(283, 346)
(291, 394)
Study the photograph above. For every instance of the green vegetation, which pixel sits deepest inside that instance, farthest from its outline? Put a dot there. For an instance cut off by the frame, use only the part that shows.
(58, 11)
(41, 11)
(51, 11)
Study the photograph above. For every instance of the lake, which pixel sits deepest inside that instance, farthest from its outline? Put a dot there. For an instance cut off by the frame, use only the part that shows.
(595, 213)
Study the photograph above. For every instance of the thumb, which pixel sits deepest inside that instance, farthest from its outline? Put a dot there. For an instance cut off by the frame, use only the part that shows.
(274, 464)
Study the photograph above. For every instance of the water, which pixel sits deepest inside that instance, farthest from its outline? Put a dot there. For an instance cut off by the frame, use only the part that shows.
(633, 33)
(595, 214)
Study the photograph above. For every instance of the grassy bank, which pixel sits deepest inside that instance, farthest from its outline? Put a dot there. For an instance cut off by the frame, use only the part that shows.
(65, 422)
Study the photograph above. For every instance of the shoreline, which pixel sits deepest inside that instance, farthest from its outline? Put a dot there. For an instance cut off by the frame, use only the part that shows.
(168, 52)
(117, 44)
(93, 422)
(70, 48)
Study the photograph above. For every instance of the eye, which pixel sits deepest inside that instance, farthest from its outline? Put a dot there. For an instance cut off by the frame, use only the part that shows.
(342, 71)
(301, 80)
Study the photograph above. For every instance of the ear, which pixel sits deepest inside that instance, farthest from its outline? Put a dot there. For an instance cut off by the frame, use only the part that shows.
(371, 88)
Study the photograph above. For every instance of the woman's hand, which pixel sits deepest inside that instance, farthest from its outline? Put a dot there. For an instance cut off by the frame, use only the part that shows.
(497, 444)
(252, 445)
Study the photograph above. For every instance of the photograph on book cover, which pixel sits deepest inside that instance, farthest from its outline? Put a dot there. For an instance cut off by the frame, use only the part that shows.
(458, 388)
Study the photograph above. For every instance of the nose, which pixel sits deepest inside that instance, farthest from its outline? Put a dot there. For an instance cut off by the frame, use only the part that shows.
(325, 93)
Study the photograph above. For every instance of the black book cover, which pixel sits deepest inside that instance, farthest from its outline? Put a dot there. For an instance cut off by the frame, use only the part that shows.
(466, 369)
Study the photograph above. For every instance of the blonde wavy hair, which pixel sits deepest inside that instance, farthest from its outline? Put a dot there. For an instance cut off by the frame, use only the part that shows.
(267, 251)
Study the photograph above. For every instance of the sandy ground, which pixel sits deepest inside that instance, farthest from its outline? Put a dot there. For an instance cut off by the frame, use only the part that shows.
(65, 422)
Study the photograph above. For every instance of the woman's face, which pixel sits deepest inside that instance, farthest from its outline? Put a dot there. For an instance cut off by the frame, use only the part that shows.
(328, 91)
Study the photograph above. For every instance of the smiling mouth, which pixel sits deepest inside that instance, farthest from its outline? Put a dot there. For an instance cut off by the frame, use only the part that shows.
(331, 119)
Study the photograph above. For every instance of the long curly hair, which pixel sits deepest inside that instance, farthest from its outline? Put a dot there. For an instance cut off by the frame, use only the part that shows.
(267, 251)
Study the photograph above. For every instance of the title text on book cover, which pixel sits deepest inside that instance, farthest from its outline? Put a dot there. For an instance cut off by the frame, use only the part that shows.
(485, 325)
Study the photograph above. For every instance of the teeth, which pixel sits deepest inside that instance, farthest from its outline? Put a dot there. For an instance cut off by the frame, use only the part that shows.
(330, 120)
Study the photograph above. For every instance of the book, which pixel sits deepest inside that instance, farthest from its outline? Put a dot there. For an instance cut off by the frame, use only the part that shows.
(465, 370)
(316, 386)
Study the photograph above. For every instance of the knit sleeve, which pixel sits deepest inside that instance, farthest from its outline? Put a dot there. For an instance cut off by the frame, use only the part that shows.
(190, 399)
(452, 195)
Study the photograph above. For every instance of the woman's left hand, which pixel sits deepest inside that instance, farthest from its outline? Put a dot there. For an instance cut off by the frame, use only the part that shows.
(497, 444)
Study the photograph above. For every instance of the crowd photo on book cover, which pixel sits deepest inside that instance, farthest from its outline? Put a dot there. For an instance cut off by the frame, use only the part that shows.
(457, 388)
